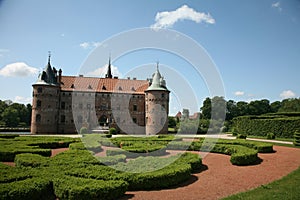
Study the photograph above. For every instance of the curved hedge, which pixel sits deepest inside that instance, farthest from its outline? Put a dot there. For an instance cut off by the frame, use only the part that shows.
(30, 160)
(31, 189)
(80, 188)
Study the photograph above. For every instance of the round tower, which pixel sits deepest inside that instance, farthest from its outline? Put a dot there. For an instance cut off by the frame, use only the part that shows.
(45, 102)
(157, 105)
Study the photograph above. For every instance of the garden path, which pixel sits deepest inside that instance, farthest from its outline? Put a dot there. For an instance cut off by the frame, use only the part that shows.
(222, 179)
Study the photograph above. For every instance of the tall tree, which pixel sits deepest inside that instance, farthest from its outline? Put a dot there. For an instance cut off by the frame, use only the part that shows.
(290, 105)
(206, 108)
(11, 117)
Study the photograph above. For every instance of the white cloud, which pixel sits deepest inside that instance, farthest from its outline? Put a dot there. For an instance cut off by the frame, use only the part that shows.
(277, 5)
(84, 45)
(287, 94)
(166, 19)
(18, 69)
(239, 93)
(88, 45)
(100, 72)
(23, 100)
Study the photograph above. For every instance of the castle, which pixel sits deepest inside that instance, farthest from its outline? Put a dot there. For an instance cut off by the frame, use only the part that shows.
(65, 104)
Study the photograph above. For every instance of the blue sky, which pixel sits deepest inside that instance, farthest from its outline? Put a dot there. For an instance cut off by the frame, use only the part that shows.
(255, 44)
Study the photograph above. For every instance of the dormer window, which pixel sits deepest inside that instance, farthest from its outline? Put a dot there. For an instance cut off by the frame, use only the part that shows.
(72, 86)
(90, 87)
(132, 89)
(103, 87)
(120, 88)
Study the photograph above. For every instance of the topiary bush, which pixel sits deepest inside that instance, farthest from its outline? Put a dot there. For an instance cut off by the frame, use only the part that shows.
(28, 189)
(270, 136)
(83, 130)
(297, 138)
(241, 136)
(80, 188)
(30, 160)
(112, 131)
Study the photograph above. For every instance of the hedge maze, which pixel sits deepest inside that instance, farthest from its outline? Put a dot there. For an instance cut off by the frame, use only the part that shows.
(79, 173)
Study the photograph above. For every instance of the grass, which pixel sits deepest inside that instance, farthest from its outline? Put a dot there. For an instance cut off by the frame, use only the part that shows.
(286, 188)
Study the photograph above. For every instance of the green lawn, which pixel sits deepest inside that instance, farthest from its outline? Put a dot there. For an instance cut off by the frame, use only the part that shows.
(285, 188)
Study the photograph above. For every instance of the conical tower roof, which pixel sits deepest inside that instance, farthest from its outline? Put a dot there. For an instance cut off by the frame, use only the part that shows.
(158, 82)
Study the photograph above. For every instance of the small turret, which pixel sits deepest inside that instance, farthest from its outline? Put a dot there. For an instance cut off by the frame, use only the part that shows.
(157, 105)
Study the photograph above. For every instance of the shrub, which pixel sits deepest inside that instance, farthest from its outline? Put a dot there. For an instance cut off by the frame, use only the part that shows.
(270, 136)
(83, 130)
(193, 159)
(241, 136)
(81, 188)
(297, 138)
(112, 160)
(9, 136)
(112, 131)
(283, 126)
(31, 188)
(30, 160)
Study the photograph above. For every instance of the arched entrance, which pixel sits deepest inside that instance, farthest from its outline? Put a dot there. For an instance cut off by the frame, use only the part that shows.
(102, 120)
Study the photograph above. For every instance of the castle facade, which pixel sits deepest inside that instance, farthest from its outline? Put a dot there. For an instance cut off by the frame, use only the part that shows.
(65, 104)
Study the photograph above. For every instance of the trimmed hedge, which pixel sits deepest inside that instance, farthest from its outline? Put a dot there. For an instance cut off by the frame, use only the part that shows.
(297, 138)
(30, 160)
(31, 189)
(80, 188)
(29, 144)
(262, 125)
(8, 155)
(112, 160)
(8, 136)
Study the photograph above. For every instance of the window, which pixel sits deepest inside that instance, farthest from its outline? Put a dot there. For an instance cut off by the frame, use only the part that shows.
(63, 105)
(163, 95)
(62, 118)
(38, 118)
(134, 107)
(163, 107)
(39, 103)
(134, 120)
(40, 90)
(80, 106)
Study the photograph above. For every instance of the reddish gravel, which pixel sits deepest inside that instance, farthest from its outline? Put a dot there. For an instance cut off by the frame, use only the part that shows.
(54, 152)
(222, 179)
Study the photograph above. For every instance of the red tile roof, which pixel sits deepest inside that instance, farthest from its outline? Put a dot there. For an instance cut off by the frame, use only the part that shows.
(91, 84)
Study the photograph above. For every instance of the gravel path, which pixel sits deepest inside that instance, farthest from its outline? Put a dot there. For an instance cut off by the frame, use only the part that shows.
(222, 179)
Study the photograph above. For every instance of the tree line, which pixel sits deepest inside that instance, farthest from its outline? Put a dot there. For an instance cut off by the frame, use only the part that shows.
(14, 114)
(227, 110)
(257, 107)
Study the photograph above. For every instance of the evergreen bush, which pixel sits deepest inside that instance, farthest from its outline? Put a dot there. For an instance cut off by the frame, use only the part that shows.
(270, 136)
(297, 138)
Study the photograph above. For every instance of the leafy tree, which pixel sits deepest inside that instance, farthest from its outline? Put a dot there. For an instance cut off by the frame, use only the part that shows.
(206, 108)
(171, 122)
(290, 105)
(275, 106)
(11, 117)
(218, 109)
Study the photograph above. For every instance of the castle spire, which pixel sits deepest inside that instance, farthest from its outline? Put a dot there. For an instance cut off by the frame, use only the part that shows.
(108, 74)
(49, 55)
